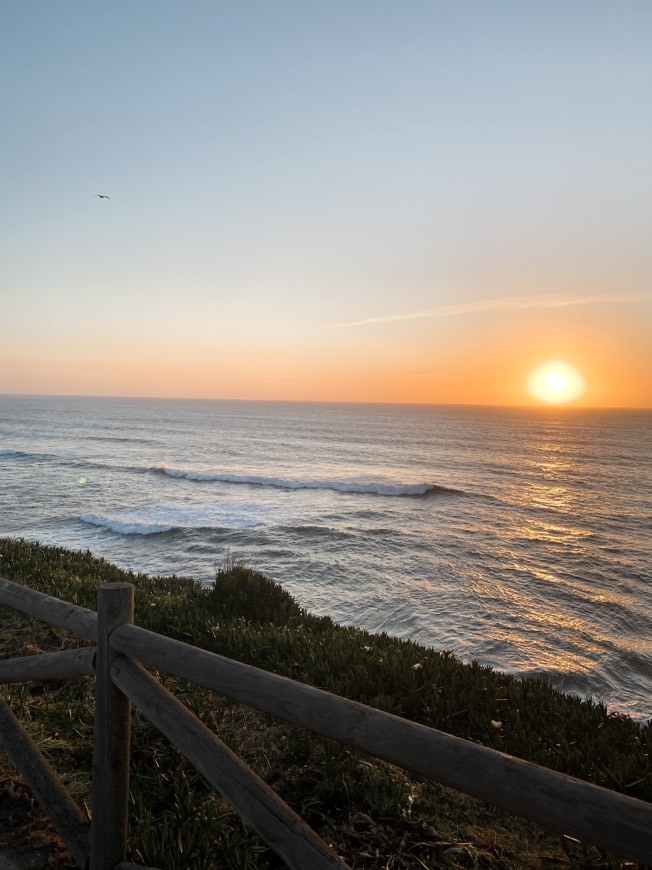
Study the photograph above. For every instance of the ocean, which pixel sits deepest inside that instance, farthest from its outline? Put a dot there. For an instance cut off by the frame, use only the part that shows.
(517, 537)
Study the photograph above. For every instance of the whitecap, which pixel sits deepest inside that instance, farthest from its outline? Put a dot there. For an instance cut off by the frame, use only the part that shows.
(161, 518)
(362, 487)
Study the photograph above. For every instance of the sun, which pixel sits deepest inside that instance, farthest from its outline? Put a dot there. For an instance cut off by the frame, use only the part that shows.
(555, 382)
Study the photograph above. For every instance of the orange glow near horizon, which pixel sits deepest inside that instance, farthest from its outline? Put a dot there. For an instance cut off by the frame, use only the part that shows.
(494, 371)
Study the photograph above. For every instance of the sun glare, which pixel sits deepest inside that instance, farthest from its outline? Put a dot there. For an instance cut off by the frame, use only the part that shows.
(555, 382)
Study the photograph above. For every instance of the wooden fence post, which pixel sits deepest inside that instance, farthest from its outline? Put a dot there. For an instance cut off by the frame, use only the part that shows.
(110, 794)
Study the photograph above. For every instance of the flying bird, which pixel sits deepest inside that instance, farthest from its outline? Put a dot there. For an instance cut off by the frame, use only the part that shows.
(102, 196)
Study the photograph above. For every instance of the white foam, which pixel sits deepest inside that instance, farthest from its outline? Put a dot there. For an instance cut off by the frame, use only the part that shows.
(160, 518)
(373, 487)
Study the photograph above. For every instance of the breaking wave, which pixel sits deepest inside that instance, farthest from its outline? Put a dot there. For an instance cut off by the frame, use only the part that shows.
(372, 487)
(156, 519)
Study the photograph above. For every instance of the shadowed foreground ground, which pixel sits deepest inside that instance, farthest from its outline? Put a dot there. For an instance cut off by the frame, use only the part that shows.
(27, 838)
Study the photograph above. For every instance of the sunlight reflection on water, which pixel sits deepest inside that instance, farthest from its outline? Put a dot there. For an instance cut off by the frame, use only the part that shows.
(540, 562)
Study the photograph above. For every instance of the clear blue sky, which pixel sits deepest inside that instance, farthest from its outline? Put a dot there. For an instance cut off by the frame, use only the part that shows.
(356, 200)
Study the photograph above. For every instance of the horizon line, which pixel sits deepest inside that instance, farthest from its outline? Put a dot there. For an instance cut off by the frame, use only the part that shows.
(533, 405)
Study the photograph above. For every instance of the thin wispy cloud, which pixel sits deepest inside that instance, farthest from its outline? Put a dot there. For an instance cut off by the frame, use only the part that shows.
(506, 303)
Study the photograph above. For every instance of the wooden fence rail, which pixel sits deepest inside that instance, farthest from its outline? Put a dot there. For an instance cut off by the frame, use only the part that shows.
(597, 815)
(79, 620)
(276, 823)
(51, 794)
(49, 666)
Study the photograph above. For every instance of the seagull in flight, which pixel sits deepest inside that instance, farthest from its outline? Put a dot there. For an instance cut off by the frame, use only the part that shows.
(102, 196)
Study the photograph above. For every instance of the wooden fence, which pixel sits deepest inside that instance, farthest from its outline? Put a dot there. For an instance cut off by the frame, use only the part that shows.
(596, 815)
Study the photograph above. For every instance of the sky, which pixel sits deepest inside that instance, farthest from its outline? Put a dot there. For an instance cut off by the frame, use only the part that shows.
(375, 201)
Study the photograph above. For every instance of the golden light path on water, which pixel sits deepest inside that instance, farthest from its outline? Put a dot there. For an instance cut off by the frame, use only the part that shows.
(553, 494)
(555, 382)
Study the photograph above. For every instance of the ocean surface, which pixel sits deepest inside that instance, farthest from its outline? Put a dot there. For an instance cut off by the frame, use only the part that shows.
(520, 538)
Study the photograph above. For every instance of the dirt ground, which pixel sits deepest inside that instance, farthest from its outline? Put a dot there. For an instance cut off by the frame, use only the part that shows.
(27, 838)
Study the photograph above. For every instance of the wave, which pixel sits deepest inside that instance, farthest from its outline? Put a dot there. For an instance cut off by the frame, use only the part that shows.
(374, 487)
(123, 527)
(314, 531)
(39, 454)
(586, 684)
(120, 439)
(75, 459)
(156, 519)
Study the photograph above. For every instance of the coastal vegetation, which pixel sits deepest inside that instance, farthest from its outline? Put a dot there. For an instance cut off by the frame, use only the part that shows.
(374, 814)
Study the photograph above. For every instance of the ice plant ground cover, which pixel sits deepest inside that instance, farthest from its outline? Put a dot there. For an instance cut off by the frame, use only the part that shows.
(375, 815)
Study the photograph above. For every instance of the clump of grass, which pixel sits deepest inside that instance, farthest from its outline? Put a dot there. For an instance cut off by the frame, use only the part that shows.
(240, 592)
(375, 815)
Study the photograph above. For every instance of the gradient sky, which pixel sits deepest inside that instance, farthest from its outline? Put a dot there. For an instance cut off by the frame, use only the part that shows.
(367, 201)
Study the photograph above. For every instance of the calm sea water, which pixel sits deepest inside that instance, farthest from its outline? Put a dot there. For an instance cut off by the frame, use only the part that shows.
(520, 538)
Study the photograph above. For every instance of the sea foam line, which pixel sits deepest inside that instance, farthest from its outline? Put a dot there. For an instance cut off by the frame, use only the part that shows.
(360, 487)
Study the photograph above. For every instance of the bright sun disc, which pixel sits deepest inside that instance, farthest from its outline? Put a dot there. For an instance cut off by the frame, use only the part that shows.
(555, 382)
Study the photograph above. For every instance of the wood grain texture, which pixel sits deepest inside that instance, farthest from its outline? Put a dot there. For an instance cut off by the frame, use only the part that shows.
(285, 832)
(112, 738)
(49, 666)
(68, 820)
(79, 620)
(562, 803)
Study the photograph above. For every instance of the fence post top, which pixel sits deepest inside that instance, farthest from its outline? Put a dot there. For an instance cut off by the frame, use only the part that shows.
(112, 586)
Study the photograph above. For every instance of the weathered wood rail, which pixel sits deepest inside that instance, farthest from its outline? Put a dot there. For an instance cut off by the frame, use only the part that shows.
(607, 819)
